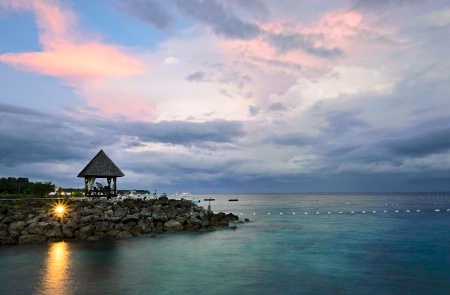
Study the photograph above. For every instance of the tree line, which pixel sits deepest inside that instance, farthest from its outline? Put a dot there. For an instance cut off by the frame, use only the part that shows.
(22, 186)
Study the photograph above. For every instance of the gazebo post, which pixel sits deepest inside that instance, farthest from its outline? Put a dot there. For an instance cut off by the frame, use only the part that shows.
(85, 186)
(114, 185)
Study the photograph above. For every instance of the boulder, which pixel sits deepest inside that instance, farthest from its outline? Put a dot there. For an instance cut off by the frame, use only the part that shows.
(56, 232)
(39, 228)
(131, 217)
(88, 229)
(8, 241)
(173, 225)
(7, 220)
(67, 233)
(146, 212)
(16, 226)
(112, 232)
(159, 215)
(195, 221)
(101, 225)
(119, 212)
(124, 234)
(32, 239)
(86, 219)
(181, 219)
(3, 233)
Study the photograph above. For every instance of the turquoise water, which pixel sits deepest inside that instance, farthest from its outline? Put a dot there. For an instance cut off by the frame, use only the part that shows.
(375, 252)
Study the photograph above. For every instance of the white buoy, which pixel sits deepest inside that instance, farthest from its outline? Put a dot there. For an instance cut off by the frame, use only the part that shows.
(396, 211)
(408, 211)
(317, 212)
(329, 212)
(281, 213)
(268, 213)
(437, 210)
(417, 210)
(374, 211)
(353, 212)
(242, 214)
(254, 213)
(385, 211)
(306, 213)
(448, 210)
(364, 212)
(341, 212)
(293, 213)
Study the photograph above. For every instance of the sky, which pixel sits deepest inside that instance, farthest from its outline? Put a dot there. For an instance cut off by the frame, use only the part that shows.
(228, 96)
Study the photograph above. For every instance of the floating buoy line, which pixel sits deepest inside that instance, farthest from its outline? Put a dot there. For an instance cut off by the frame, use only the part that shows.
(437, 210)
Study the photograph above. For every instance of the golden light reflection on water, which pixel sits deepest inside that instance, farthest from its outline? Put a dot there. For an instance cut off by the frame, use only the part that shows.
(56, 272)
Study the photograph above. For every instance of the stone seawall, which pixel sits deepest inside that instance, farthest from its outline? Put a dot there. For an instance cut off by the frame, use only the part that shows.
(36, 221)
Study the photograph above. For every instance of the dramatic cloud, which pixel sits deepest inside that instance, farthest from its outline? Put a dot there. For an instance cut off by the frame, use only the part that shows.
(229, 96)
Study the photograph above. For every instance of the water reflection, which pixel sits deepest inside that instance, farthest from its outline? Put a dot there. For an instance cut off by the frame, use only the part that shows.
(56, 272)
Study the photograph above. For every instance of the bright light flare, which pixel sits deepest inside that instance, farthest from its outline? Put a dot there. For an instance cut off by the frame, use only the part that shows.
(60, 209)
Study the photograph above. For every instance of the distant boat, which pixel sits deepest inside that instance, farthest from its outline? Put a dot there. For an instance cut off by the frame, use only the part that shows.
(233, 200)
(187, 196)
(210, 199)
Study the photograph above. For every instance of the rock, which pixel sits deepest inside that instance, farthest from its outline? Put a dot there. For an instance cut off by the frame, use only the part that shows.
(109, 213)
(7, 220)
(173, 225)
(34, 219)
(205, 223)
(8, 241)
(131, 217)
(181, 219)
(88, 229)
(124, 234)
(39, 228)
(159, 215)
(3, 233)
(86, 212)
(112, 232)
(114, 219)
(54, 240)
(101, 226)
(81, 236)
(3, 226)
(119, 212)
(247, 220)
(67, 233)
(86, 219)
(146, 212)
(32, 239)
(56, 232)
(16, 226)
(195, 221)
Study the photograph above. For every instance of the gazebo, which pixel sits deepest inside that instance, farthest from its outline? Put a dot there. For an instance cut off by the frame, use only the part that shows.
(101, 166)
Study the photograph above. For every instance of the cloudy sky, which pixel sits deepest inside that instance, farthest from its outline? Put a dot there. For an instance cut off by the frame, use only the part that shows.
(228, 95)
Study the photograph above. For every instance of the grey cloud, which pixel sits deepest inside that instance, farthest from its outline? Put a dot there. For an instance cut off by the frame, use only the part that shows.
(223, 22)
(255, 7)
(384, 4)
(154, 12)
(289, 42)
(276, 107)
(253, 110)
(422, 144)
(197, 76)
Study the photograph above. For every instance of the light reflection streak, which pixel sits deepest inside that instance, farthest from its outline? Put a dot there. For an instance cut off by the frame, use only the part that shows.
(56, 272)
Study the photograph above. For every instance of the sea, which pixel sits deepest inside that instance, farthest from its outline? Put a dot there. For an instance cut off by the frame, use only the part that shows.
(355, 243)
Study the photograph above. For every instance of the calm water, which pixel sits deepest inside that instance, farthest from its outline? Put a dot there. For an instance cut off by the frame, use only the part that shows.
(278, 253)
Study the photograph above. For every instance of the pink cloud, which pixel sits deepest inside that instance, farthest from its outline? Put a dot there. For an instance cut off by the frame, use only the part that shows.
(66, 54)
(75, 62)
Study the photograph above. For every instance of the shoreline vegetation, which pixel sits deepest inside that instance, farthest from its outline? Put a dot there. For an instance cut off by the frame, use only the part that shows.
(31, 221)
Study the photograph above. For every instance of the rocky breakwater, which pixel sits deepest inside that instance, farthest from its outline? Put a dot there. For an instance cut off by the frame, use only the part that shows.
(37, 221)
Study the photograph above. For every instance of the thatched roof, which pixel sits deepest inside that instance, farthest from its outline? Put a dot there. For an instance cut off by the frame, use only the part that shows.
(101, 166)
